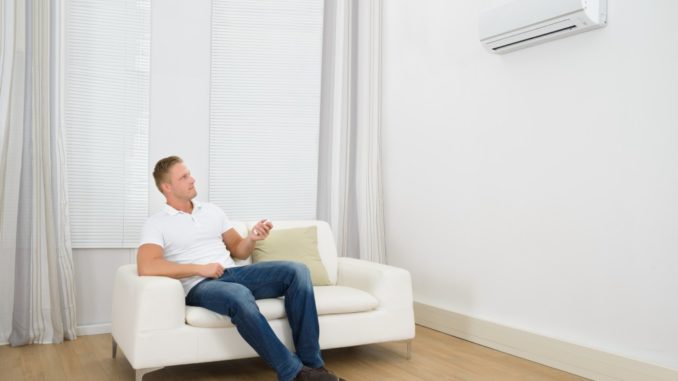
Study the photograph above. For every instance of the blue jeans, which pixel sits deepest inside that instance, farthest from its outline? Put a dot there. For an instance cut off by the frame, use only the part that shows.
(234, 294)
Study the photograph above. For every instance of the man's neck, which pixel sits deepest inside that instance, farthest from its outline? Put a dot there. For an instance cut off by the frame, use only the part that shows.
(185, 206)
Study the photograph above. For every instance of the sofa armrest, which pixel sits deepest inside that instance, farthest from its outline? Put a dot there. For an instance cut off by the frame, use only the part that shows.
(391, 285)
(144, 303)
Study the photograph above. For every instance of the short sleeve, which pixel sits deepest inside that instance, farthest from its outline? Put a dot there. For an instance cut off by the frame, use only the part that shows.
(152, 234)
(225, 222)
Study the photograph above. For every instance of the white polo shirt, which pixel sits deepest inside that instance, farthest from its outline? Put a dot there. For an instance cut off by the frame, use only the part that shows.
(190, 238)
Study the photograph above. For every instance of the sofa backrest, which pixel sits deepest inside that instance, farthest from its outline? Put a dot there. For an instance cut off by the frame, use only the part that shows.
(326, 247)
(241, 228)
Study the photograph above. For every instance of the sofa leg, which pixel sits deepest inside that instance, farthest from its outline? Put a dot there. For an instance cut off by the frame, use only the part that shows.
(141, 372)
(409, 349)
(115, 348)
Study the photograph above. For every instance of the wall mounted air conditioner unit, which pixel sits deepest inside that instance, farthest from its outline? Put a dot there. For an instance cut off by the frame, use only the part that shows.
(522, 23)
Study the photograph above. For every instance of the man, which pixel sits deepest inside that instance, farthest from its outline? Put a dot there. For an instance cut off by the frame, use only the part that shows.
(195, 243)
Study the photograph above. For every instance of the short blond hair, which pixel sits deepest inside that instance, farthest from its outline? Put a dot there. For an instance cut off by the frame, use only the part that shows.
(162, 168)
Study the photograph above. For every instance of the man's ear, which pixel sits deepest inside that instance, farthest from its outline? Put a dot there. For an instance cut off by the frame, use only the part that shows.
(165, 187)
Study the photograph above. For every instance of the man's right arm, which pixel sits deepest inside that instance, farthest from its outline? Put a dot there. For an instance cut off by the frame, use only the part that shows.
(150, 261)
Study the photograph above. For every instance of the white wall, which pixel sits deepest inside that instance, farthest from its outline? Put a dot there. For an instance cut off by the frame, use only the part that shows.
(94, 274)
(179, 125)
(538, 189)
(180, 75)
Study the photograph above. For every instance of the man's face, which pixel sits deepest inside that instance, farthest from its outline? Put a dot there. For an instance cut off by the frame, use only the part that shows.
(182, 184)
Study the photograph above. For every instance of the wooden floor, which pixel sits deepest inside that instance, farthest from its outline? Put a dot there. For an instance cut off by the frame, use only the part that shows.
(435, 356)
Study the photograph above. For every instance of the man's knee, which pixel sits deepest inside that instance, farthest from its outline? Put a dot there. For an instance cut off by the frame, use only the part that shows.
(242, 301)
(298, 271)
(294, 268)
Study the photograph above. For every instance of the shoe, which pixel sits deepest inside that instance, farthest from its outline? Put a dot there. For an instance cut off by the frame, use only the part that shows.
(320, 374)
(325, 370)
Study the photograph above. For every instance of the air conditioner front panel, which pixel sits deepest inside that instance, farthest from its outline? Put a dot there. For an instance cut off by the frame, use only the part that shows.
(523, 23)
(520, 14)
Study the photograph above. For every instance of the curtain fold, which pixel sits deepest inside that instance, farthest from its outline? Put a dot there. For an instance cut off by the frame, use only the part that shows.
(350, 194)
(38, 301)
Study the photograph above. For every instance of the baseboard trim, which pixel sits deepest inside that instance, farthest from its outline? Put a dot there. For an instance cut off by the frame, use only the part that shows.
(583, 361)
(93, 329)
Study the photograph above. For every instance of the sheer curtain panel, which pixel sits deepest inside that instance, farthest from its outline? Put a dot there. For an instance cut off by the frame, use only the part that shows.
(350, 194)
(37, 304)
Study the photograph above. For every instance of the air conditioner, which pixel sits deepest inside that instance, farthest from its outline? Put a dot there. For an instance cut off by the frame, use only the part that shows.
(522, 23)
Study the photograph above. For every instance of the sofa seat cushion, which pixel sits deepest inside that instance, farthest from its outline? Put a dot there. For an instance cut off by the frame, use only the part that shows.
(329, 300)
(343, 300)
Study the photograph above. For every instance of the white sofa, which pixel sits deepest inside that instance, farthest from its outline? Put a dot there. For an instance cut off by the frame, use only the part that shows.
(366, 303)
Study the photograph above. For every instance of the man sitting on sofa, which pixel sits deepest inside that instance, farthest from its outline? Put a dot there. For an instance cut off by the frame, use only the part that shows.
(186, 241)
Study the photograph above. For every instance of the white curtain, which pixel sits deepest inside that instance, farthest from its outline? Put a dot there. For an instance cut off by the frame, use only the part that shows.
(350, 194)
(37, 304)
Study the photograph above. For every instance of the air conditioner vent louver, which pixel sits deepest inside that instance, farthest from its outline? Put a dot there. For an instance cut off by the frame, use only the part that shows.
(535, 37)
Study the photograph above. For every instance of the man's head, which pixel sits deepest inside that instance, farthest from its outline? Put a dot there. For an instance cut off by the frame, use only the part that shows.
(174, 179)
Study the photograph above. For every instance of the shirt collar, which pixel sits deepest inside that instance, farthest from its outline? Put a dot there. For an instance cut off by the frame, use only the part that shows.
(171, 211)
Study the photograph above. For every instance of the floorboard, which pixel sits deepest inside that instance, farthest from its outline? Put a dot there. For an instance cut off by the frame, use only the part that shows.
(435, 356)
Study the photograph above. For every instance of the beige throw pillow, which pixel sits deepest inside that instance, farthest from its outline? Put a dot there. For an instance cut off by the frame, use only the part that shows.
(298, 245)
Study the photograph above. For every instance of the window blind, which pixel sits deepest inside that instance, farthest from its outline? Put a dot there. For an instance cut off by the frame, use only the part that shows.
(265, 107)
(106, 86)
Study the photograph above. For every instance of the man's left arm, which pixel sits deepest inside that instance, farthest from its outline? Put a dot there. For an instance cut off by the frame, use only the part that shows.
(241, 248)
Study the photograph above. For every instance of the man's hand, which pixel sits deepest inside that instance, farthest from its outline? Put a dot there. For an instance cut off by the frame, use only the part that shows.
(242, 248)
(211, 270)
(260, 230)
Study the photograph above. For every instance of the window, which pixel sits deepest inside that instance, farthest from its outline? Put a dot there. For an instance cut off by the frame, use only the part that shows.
(106, 82)
(265, 107)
